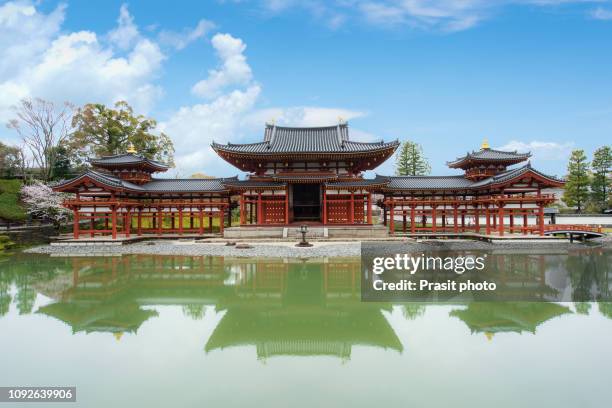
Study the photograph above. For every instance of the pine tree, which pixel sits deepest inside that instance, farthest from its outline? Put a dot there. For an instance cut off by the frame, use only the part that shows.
(410, 160)
(576, 190)
(601, 182)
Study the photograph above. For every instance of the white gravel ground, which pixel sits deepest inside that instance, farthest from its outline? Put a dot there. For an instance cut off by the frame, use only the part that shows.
(278, 249)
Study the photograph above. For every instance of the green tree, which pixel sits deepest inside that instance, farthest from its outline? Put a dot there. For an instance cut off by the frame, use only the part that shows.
(410, 160)
(63, 165)
(576, 190)
(9, 160)
(600, 182)
(102, 131)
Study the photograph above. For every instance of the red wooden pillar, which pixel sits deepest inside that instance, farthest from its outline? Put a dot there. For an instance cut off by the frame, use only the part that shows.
(511, 215)
(462, 220)
(210, 223)
(160, 220)
(477, 217)
(287, 204)
(114, 221)
(541, 218)
(201, 221)
(455, 226)
(75, 223)
(221, 222)
(180, 220)
(139, 222)
(92, 223)
(259, 209)
(128, 222)
(433, 218)
(369, 204)
(324, 205)
(242, 209)
(488, 221)
(525, 226)
(391, 218)
(229, 212)
(501, 218)
(443, 217)
(403, 220)
(384, 213)
(352, 208)
(494, 220)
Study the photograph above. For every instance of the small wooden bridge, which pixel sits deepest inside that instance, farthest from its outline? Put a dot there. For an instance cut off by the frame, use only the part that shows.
(582, 232)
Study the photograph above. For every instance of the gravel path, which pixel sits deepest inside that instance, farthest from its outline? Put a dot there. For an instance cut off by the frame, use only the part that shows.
(288, 250)
(261, 250)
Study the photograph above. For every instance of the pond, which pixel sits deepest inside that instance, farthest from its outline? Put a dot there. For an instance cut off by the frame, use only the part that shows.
(179, 331)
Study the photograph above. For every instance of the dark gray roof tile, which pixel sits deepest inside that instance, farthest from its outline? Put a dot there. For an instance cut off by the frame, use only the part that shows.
(358, 183)
(510, 174)
(328, 139)
(126, 159)
(427, 182)
(491, 155)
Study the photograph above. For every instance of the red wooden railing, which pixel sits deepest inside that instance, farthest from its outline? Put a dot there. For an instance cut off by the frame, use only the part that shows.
(571, 227)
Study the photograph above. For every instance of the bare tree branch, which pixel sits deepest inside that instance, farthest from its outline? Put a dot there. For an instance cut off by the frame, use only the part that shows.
(42, 127)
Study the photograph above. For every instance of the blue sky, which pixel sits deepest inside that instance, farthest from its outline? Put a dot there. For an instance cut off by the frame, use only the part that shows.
(526, 74)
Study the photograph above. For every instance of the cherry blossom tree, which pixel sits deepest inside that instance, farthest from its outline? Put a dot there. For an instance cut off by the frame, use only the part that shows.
(42, 202)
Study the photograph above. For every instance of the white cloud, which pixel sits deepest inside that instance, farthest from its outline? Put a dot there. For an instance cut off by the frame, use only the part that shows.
(233, 71)
(601, 14)
(74, 66)
(25, 34)
(126, 34)
(40, 59)
(301, 116)
(445, 15)
(541, 150)
(182, 39)
(193, 129)
(231, 115)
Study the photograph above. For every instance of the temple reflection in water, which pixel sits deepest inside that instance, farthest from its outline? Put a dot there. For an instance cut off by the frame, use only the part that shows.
(280, 307)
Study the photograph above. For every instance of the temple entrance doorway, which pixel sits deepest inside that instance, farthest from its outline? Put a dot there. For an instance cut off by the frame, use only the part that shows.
(306, 202)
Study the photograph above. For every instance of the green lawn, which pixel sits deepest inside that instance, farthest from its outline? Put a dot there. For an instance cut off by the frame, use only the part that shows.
(10, 207)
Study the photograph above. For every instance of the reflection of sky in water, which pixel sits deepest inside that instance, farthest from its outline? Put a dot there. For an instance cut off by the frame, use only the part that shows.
(163, 332)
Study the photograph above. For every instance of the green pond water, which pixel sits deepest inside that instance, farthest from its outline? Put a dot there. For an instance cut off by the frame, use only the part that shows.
(177, 331)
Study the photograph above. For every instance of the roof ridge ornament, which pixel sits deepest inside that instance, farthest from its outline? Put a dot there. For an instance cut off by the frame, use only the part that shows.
(339, 132)
(485, 144)
(131, 149)
(272, 135)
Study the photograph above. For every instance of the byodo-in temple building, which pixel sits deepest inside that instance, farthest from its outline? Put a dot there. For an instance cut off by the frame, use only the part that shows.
(311, 176)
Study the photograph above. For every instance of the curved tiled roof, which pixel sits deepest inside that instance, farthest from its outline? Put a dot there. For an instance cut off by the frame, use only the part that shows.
(253, 184)
(127, 159)
(458, 182)
(185, 185)
(427, 182)
(155, 185)
(328, 139)
(490, 155)
(102, 178)
(510, 174)
(378, 181)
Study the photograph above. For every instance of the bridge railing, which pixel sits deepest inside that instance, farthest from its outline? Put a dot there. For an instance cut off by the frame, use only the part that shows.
(572, 227)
